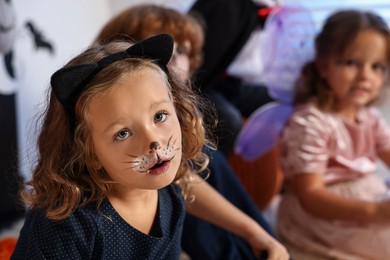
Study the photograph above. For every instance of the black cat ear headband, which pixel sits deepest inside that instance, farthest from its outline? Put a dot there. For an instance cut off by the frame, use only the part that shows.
(67, 83)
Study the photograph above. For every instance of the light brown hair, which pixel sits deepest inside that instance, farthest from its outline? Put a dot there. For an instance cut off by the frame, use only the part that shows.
(145, 20)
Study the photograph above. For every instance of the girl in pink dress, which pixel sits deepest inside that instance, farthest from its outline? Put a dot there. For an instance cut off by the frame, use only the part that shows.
(335, 206)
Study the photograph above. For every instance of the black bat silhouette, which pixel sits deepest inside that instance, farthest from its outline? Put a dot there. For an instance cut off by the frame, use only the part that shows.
(39, 40)
(8, 64)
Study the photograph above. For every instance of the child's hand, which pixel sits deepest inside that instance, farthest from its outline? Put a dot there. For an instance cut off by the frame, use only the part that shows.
(273, 250)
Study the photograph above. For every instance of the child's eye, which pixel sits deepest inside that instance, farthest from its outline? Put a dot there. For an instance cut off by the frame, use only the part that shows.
(160, 116)
(350, 62)
(122, 135)
(380, 67)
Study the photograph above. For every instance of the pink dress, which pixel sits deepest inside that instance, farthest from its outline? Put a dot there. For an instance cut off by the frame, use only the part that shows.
(345, 154)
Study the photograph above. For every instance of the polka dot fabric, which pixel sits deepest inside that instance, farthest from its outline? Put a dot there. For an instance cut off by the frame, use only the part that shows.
(91, 233)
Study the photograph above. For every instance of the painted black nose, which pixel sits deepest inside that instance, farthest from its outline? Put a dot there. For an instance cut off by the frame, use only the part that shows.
(154, 145)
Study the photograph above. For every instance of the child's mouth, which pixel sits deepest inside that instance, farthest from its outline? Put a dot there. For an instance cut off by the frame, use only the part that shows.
(157, 165)
(159, 168)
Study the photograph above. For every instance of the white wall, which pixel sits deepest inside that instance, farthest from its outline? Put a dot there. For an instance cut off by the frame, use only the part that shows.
(70, 26)
(180, 5)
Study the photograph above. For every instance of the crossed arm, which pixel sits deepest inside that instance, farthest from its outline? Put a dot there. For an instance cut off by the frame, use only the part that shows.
(317, 200)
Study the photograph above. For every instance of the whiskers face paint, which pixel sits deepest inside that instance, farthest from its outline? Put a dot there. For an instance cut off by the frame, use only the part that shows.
(157, 161)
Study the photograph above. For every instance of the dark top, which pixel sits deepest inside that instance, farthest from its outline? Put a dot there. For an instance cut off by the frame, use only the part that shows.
(91, 233)
(228, 26)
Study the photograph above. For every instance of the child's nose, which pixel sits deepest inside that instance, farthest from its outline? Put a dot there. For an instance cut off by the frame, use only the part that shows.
(150, 139)
(365, 71)
(154, 145)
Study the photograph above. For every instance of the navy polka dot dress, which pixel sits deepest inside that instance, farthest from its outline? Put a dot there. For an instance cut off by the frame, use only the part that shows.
(91, 233)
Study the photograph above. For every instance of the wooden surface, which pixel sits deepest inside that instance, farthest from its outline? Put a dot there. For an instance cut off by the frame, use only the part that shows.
(262, 177)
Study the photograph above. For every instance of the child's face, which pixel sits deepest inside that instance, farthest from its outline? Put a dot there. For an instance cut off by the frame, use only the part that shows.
(136, 133)
(357, 77)
(180, 60)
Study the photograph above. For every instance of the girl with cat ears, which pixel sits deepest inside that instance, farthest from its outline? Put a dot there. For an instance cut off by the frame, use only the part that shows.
(119, 152)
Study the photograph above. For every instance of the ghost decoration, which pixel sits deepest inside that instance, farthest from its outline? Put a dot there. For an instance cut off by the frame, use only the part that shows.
(7, 40)
(10, 180)
(7, 26)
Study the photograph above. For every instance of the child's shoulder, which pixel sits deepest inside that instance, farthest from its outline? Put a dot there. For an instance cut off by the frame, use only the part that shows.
(84, 217)
(42, 235)
(373, 116)
(309, 112)
(371, 112)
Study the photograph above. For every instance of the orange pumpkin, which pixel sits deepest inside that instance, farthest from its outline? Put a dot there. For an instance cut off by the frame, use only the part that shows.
(7, 246)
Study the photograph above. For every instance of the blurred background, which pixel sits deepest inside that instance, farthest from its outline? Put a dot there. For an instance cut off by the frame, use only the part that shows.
(47, 33)
(38, 37)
